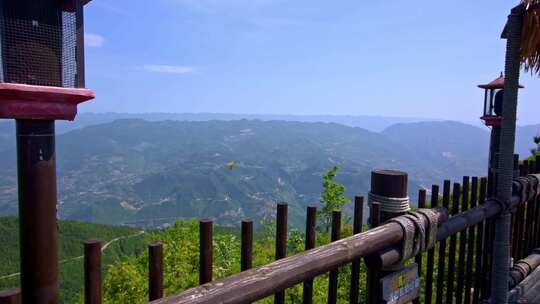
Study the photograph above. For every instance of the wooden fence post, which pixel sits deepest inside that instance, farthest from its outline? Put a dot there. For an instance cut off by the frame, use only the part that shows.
(470, 245)
(281, 243)
(373, 273)
(355, 265)
(452, 250)
(389, 188)
(418, 257)
(206, 251)
(462, 244)
(246, 256)
(442, 249)
(10, 296)
(311, 224)
(92, 272)
(431, 253)
(480, 246)
(333, 275)
(155, 271)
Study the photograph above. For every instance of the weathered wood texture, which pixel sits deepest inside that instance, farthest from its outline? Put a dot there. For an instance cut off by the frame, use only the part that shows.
(10, 296)
(155, 271)
(311, 225)
(354, 293)
(373, 270)
(471, 241)
(257, 283)
(246, 254)
(462, 244)
(431, 253)
(281, 244)
(265, 280)
(92, 272)
(333, 275)
(479, 245)
(442, 250)
(206, 252)
(418, 257)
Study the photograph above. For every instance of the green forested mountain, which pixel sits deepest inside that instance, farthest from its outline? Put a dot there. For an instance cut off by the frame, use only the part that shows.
(148, 173)
(123, 241)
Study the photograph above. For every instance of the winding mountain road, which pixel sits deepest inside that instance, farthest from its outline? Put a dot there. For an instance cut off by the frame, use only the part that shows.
(82, 256)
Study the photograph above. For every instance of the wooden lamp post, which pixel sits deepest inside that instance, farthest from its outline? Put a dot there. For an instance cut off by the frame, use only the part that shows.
(41, 80)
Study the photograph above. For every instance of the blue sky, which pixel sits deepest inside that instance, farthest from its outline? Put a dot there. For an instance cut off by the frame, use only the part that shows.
(392, 58)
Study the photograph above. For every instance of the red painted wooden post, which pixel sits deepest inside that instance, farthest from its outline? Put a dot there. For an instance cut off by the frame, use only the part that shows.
(281, 243)
(155, 270)
(206, 251)
(358, 219)
(10, 296)
(36, 163)
(92, 272)
(311, 224)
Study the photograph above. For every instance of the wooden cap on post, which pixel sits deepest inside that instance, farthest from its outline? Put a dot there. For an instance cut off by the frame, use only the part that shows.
(389, 187)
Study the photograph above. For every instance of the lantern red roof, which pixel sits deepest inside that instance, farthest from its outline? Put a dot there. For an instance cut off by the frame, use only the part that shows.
(496, 84)
(22, 101)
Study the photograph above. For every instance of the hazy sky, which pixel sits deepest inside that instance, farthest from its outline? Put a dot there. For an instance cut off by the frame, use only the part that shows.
(394, 58)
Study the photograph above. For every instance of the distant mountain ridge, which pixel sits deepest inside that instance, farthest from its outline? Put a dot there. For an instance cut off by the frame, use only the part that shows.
(448, 143)
(368, 122)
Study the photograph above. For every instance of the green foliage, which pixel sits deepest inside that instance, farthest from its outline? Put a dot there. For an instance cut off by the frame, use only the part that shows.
(126, 279)
(332, 197)
(72, 235)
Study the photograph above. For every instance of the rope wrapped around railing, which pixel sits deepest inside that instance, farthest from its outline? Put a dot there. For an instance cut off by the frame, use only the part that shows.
(419, 230)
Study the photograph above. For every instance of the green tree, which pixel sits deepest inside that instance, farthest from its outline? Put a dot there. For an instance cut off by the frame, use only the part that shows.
(332, 197)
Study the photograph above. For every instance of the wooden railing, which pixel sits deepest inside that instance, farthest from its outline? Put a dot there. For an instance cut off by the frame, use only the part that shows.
(461, 274)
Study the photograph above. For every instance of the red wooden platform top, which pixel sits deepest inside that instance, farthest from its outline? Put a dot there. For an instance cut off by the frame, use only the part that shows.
(22, 101)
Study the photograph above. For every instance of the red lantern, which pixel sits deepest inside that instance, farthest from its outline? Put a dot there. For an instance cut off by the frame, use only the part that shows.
(493, 100)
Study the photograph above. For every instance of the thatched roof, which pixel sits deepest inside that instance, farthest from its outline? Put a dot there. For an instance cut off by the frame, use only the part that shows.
(530, 36)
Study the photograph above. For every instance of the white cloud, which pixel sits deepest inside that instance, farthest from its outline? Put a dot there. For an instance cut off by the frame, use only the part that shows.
(93, 40)
(171, 69)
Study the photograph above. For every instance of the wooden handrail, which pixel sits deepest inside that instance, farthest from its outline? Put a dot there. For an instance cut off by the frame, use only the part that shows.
(257, 283)
(263, 281)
